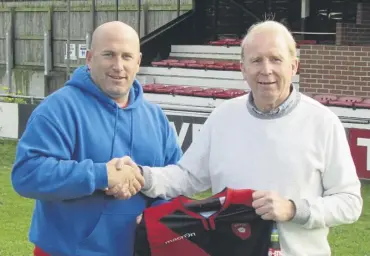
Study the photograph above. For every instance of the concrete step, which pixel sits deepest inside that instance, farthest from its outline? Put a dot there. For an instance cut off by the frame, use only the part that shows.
(196, 77)
(207, 52)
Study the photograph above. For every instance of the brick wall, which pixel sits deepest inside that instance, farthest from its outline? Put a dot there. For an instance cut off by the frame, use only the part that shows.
(352, 34)
(363, 13)
(338, 70)
(355, 33)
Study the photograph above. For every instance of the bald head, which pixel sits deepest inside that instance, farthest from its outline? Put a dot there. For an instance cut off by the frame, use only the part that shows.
(112, 30)
(114, 59)
(269, 28)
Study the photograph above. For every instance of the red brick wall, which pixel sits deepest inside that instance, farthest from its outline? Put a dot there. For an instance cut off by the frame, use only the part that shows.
(338, 70)
(352, 34)
(363, 13)
(355, 33)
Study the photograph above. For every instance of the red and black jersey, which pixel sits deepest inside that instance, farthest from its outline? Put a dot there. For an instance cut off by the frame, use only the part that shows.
(179, 228)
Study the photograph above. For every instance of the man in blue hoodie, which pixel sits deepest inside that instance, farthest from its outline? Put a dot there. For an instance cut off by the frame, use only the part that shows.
(67, 157)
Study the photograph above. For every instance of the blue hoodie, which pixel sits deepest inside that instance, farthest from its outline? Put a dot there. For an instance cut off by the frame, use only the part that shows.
(61, 162)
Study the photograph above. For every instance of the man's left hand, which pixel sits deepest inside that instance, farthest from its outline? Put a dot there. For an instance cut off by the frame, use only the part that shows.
(271, 206)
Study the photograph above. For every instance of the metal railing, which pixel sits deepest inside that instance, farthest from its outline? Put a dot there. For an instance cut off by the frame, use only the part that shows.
(29, 99)
(165, 105)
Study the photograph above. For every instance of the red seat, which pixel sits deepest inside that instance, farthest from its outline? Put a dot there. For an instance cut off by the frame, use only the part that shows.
(152, 87)
(188, 61)
(236, 42)
(177, 64)
(235, 67)
(324, 98)
(170, 60)
(214, 66)
(226, 42)
(218, 42)
(230, 93)
(206, 62)
(187, 91)
(159, 64)
(210, 92)
(167, 89)
(230, 39)
(225, 63)
(345, 101)
(363, 104)
(163, 63)
(195, 65)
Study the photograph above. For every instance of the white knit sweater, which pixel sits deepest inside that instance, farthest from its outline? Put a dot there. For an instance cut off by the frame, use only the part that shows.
(303, 155)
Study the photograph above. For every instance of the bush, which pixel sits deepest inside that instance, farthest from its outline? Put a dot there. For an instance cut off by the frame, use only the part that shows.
(11, 99)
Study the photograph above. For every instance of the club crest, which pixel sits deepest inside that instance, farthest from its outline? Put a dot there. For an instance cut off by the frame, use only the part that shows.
(242, 230)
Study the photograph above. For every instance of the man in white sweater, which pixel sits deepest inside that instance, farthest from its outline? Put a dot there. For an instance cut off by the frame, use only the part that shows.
(288, 147)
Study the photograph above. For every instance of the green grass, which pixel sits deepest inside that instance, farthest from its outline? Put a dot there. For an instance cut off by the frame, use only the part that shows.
(15, 215)
(15, 211)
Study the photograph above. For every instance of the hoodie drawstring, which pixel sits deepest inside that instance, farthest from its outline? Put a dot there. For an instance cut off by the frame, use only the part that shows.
(114, 133)
(132, 132)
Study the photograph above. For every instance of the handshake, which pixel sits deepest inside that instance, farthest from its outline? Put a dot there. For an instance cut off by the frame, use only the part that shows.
(124, 178)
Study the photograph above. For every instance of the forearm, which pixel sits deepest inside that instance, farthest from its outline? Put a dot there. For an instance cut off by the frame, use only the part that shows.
(46, 178)
(343, 207)
(170, 181)
(341, 201)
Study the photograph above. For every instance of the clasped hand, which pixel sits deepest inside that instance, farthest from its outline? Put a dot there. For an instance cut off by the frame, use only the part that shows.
(124, 178)
(271, 206)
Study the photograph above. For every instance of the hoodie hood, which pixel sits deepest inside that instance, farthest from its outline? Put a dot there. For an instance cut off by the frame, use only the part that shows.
(81, 79)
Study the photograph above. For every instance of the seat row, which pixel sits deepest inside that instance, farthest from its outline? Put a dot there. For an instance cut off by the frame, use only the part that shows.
(196, 91)
(342, 101)
(237, 42)
(199, 64)
(219, 93)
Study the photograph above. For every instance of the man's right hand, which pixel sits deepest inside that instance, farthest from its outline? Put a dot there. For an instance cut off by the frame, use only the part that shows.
(123, 180)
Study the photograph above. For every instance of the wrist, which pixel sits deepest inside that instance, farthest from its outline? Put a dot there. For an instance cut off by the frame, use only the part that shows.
(301, 211)
(101, 176)
(141, 170)
(292, 209)
(148, 179)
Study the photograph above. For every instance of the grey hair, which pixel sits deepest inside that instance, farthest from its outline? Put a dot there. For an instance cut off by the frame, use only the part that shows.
(270, 25)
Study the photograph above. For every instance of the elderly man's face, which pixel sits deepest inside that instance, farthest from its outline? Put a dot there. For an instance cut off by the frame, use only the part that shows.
(268, 67)
(114, 62)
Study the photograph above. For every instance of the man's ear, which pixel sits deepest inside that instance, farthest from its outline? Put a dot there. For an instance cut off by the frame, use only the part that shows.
(140, 57)
(295, 64)
(241, 65)
(243, 69)
(139, 62)
(89, 56)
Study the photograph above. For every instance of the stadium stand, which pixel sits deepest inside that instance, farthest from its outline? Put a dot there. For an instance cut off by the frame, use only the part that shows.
(211, 72)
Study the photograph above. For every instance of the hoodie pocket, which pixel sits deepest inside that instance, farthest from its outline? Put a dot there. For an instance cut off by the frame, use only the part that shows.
(113, 235)
(134, 205)
(114, 232)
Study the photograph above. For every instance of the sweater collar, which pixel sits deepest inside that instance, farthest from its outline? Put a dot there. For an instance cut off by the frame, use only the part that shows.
(285, 108)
